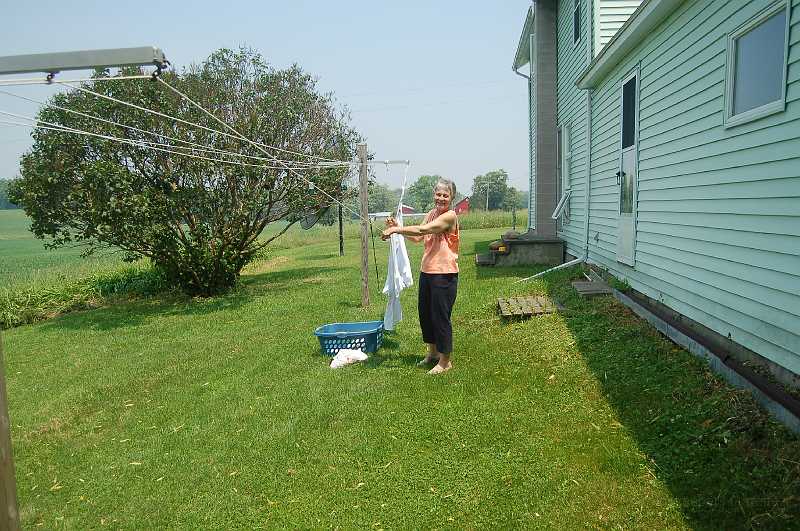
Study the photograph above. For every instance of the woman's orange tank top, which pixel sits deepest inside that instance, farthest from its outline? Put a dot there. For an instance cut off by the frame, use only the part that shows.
(441, 250)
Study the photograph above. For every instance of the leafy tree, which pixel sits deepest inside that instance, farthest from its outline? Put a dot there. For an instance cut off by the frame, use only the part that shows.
(420, 194)
(5, 203)
(513, 199)
(495, 183)
(382, 198)
(524, 198)
(198, 221)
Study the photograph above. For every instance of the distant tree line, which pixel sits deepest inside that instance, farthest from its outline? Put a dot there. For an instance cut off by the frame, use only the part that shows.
(490, 191)
(419, 195)
(5, 203)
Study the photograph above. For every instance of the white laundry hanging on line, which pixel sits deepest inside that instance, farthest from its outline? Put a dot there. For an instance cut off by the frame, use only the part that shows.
(398, 276)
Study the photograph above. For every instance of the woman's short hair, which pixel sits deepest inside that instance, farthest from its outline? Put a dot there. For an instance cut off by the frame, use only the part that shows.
(449, 184)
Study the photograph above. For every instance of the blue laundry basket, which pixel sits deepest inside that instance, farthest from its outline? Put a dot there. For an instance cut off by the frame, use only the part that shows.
(367, 336)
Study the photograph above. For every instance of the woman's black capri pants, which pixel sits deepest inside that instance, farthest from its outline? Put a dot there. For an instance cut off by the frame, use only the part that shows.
(437, 294)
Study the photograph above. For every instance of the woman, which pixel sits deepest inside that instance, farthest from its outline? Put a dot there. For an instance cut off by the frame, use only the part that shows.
(438, 277)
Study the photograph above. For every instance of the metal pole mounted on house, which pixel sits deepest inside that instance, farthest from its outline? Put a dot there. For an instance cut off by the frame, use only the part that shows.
(363, 198)
(51, 64)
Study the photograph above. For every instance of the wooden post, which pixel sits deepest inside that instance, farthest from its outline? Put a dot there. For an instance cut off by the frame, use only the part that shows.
(341, 231)
(363, 199)
(9, 511)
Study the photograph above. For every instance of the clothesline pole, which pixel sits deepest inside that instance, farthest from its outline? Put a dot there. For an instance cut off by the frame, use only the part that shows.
(9, 514)
(341, 229)
(362, 194)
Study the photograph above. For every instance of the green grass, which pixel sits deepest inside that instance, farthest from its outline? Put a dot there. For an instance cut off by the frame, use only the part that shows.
(25, 263)
(222, 413)
(38, 283)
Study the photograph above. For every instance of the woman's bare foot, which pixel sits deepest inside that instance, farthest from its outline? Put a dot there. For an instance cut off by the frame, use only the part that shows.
(439, 369)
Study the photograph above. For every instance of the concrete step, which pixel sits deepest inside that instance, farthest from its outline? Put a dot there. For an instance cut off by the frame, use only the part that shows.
(487, 259)
(591, 289)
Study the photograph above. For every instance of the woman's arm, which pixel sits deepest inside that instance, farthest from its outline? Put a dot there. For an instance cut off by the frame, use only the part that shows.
(443, 223)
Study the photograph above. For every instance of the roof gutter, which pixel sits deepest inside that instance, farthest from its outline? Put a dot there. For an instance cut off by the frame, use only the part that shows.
(523, 47)
(641, 23)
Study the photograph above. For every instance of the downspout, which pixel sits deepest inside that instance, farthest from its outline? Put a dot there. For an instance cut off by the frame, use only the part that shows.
(530, 161)
(588, 180)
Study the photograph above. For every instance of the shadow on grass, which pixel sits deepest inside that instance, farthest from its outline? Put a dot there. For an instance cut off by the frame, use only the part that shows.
(390, 350)
(287, 279)
(137, 312)
(722, 458)
(481, 247)
(328, 256)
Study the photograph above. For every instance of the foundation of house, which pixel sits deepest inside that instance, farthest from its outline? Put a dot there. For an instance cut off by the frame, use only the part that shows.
(523, 249)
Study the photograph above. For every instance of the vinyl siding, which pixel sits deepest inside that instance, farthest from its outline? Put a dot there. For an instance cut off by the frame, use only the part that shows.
(572, 111)
(717, 210)
(609, 16)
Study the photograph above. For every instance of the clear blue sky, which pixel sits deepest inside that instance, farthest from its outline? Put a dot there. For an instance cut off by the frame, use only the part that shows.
(429, 81)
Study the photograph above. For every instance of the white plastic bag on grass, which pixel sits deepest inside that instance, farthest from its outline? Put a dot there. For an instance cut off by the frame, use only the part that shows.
(347, 356)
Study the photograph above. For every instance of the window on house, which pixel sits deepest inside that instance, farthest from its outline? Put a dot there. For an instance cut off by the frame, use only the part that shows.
(629, 113)
(756, 77)
(576, 22)
(563, 156)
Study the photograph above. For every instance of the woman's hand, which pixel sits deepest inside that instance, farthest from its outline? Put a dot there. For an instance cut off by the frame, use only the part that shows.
(385, 235)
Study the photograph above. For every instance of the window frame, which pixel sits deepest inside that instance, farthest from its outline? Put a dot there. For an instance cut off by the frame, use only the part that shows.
(563, 165)
(633, 74)
(773, 107)
(576, 23)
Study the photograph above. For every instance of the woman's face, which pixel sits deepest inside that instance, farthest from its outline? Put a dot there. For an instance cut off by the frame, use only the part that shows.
(441, 197)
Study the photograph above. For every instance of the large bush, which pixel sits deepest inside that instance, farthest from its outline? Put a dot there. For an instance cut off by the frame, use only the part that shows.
(198, 221)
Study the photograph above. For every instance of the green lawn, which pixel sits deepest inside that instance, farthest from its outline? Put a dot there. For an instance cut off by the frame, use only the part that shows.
(222, 413)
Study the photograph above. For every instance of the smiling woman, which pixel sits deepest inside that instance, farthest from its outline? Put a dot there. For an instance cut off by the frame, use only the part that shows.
(438, 278)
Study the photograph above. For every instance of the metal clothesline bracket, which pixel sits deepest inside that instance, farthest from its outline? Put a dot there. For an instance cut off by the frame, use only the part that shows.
(160, 67)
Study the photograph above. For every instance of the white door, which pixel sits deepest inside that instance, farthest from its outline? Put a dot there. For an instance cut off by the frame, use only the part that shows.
(626, 176)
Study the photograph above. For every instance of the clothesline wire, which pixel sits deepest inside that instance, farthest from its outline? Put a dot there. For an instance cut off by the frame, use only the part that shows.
(282, 164)
(374, 256)
(257, 146)
(181, 120)
(61, 128)
(402, 188)
(199, 147)
(176, 119)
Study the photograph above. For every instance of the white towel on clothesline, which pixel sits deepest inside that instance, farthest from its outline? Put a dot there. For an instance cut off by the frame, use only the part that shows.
(398, 276)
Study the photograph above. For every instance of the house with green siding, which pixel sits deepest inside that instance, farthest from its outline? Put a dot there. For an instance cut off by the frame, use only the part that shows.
(665, 150)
